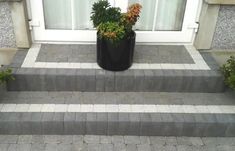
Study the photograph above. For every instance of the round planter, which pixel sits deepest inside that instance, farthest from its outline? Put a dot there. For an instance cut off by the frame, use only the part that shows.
(116, 56)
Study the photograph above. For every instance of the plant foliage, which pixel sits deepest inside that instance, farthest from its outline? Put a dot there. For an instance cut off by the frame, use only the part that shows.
(111, 23)
(111, 31)
(228, 70)
(102, 12)
(5, 76)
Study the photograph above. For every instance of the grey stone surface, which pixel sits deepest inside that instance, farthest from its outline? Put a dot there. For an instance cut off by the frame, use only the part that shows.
(7, 36)
(112, 123)
(69, 123)
(91, 143)
(132, 140)
(128, 81)
(225, 29)
(87, 54)
(161, 98)
(80, 123)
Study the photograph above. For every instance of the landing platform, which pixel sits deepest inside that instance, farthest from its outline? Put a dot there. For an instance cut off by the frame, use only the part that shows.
(50, 67)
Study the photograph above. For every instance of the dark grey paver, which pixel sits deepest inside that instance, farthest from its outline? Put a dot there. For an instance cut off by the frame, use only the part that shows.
(87, 54)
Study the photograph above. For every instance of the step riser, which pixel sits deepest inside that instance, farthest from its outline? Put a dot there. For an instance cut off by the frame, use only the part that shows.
(93, 81)
(2, 89)
(103, 126)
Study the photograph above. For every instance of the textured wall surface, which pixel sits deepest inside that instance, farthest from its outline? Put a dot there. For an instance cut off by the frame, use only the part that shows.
(7, 37)
(224, 37)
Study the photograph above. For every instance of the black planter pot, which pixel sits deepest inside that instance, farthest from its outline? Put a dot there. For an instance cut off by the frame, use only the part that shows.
(116, 56)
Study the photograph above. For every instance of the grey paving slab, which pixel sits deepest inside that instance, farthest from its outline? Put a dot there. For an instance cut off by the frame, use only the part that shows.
(123, 123)
(24, 147)
(52, 139)
(80, 123)
(143, 147)
(102, 124)
(132, 140)
(69, 123)
(87, 54)
(25, 139)
(128, 81)
(118, 139)
(92, 139)
(146, 126)
(36, 124)
(66, 139)
(93, 142)
(38, 147)
(106, 139)
(37, 139)
(91, 123)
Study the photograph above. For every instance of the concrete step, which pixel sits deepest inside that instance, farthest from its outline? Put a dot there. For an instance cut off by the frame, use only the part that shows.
(139, 124)
(85, 80)
(188, 72)
(163, 114)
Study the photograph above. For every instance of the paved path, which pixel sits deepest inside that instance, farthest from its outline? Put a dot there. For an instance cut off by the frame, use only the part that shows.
(112, 143)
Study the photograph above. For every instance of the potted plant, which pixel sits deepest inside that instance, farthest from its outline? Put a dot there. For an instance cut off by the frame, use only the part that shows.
(115, 37)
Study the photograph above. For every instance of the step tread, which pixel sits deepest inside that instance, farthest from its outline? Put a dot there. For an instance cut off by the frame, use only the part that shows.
(160, 98)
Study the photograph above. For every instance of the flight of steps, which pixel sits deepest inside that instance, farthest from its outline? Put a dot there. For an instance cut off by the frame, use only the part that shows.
(135, 102)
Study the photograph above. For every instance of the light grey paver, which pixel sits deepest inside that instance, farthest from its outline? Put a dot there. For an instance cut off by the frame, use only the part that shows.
(143, 147)
(131, 147)
(52, 139)
(94, 147)
(158, 140)
(64, 147)
(119, 147)
(10, 139)
(38, 147)
(106, 147)
(4, 147)
(105, 139)
(184, 141)
(66, 139)
(144, 140)
(92, 139)
(78, 139)
(50, 147)
(132, 140)
(38, 139)
(196, 141)
(78, 144)
(25, 139)
(12, 147)
(117, 139)
(23, 147)
(171, 141)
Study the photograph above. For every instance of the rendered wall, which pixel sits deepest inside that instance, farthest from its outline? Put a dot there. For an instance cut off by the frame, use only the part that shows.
(7, 36)
(224, 36)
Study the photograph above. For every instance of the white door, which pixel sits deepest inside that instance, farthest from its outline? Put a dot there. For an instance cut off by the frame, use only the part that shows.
(163, 21)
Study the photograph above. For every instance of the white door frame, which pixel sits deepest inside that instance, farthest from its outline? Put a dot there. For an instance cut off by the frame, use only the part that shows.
(40, 34)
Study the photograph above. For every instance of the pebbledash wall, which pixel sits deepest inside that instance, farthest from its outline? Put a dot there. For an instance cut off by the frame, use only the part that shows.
(7, 35)
(216, 25)
(224, 37)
